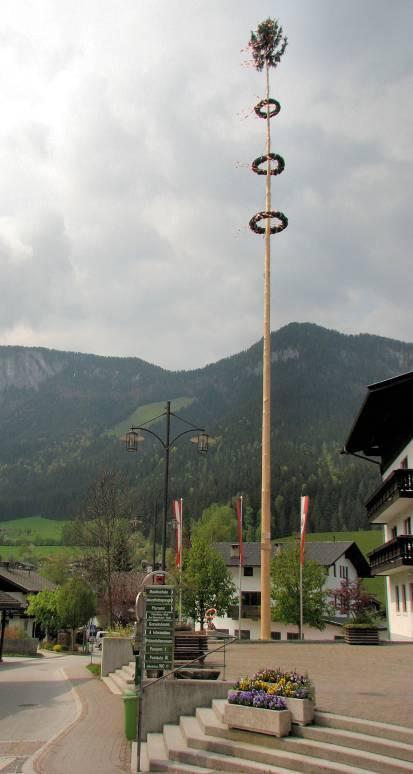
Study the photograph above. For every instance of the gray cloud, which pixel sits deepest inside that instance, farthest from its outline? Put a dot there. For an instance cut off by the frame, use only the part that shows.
(125, 192)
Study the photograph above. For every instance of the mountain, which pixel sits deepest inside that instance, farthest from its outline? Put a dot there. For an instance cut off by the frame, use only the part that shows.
(62, 415)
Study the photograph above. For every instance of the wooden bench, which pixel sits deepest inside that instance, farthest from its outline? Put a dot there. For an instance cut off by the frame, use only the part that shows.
(190, 646)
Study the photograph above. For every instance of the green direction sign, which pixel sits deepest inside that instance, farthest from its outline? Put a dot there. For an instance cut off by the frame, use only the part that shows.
(159, 627)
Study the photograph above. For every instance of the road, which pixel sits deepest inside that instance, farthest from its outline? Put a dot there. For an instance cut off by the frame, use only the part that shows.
(36, 702)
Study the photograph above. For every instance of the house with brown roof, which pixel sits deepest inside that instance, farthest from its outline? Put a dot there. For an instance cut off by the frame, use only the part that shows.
(16, 582)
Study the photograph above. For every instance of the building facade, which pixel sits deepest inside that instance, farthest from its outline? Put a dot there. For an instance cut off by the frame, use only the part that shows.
(341, 560)
(384, 430)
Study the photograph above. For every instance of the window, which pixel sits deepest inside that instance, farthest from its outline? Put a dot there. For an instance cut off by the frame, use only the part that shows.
(251, 598)
(397, 596)
(275, 635)
(334, 570)
(404, 598)
(408, 526)
(394, 533)
(403, 463)
(343, 571)
(248, 572)
(293, 636)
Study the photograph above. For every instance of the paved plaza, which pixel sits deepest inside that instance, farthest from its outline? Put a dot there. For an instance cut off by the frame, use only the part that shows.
(372, 682)
(369, 682)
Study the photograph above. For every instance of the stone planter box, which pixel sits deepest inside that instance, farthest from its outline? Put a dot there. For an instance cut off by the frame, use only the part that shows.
(355, 636)
(261, 721)
(302, 710)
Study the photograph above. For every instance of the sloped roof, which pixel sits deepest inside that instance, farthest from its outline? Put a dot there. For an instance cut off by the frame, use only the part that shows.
(322, 552)
(8, 602)
(23, 580)
(385, 419)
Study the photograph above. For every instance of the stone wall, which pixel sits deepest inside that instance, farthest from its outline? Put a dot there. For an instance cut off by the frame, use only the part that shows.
(26, 647)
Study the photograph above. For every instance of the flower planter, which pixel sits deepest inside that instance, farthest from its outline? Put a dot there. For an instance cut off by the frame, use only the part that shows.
(302, 710)
(261, 721)
(355, 635)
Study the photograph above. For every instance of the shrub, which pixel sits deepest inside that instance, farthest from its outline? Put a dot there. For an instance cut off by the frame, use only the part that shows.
(47, 645)
(57, 648)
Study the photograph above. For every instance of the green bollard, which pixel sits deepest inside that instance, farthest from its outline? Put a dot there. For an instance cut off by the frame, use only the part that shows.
(130, 703)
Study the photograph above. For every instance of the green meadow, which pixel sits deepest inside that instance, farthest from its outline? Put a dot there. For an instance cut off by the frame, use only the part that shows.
(145, 413)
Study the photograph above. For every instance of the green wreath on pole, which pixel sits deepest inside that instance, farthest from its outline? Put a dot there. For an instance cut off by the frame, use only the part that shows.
(273, 111)
(256, 164)
(264, 216)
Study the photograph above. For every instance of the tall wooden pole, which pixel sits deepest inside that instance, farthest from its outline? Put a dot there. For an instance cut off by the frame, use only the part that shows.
(266, 406)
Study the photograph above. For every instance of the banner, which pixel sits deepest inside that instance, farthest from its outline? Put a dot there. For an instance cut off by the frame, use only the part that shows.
(304, 519)
(238, 507)
(177, 517)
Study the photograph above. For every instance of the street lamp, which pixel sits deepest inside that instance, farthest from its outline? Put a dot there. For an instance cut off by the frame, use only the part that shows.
(134, 438)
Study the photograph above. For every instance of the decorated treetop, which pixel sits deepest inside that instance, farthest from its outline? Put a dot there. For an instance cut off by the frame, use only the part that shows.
(267, 44)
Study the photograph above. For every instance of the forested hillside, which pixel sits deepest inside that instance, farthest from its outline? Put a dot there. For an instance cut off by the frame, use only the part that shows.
(62, 416)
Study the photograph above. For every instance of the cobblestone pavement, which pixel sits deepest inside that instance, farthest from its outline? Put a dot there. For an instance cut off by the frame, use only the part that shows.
(372, 682)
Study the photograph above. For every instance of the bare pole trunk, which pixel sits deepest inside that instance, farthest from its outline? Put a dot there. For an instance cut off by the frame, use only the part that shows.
(266, 407)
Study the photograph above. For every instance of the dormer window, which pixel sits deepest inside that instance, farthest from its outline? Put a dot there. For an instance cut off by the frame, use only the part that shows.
(234, 553)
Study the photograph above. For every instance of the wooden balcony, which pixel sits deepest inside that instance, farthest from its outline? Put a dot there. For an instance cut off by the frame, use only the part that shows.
(247, 611)
(389, 557)
(390, 497)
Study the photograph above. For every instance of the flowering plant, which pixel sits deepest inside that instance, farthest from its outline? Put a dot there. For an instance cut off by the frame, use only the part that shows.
(257, 698)
(274, 682)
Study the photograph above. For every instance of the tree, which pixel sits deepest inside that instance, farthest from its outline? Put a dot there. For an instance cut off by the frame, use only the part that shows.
(352, 600)
(100, 525)
(218, 522)
(206, 582)
(55, 568)
(285, 592)
(43, 607)
(76, 604)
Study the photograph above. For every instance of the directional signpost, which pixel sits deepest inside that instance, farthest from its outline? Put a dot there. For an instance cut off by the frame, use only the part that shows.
(159, 627)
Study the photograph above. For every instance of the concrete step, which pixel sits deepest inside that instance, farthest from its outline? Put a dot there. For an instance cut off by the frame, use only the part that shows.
(355, 740)
(260, 752)
(126, 675)
(119, 680)
(361, 726)
(112, 685)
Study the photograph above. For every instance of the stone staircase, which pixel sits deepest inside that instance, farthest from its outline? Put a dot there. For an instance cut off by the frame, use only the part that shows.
(203, 743)
(121, 678)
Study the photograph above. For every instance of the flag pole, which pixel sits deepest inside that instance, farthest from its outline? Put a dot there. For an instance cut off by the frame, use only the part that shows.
(181, 509)
(301, 601)
(240, 570)
(303, 528)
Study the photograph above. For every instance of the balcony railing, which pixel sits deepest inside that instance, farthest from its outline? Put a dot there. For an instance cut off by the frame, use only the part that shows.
(396, 553)
(398, 484)
(247, 611)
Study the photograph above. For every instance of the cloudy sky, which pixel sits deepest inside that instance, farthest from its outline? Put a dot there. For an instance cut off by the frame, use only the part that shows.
(126, 136)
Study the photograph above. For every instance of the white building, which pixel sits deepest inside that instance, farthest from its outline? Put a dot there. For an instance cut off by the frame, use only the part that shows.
(384, 429)
(341, 560)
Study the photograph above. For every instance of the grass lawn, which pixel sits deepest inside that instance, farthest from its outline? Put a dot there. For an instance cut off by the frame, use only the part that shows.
(145, 413)
(33, 527)
(38, 552)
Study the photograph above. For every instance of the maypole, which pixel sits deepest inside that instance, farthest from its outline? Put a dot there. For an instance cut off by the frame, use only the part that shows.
(267, 46)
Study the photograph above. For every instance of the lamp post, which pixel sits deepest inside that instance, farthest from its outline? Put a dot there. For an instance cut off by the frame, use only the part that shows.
(133, 439)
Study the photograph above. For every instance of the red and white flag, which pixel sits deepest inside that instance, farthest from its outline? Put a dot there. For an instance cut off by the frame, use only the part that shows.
(304, 519)
(238, 508)
(177, 517)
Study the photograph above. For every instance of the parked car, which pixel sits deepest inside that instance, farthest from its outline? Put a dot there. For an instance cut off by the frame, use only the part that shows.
(99, 637)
